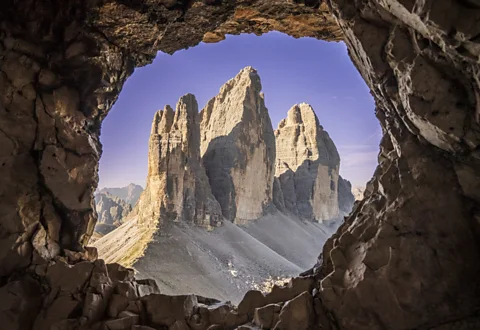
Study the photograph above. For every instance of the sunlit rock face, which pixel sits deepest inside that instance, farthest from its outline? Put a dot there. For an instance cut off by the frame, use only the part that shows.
(177, 187)
(406, 258)
(307, 165)
(238, 148)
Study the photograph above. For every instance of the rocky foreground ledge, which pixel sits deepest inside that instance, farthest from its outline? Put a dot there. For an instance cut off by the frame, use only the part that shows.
(85, 293)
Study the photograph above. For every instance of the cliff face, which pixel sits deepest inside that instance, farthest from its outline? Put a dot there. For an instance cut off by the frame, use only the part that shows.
(307, 165)
(177, 187)
(238, 148)
(129, 194)
(346, 198)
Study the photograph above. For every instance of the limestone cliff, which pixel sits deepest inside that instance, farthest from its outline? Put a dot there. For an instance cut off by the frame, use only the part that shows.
(111, 210)
(238, 148)
(307, 165)
(177, 186)
(129, 194)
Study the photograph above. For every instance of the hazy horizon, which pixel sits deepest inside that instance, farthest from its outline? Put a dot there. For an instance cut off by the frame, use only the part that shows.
(292, 71)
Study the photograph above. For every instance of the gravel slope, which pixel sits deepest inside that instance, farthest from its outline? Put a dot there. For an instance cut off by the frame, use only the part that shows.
(221, 264)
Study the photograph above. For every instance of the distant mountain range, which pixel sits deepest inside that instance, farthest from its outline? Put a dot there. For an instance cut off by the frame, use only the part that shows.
(113, 205)
(129, 194)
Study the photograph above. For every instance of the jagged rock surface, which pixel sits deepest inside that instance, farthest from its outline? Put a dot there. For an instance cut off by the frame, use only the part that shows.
(129, 194)
(307, 165)
(358, 192)
(407, 257)
(238, 148)
(177, 186)
(346, 198)
(111, 210)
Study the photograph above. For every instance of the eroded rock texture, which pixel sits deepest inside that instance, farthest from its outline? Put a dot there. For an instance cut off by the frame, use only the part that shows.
(406, 258)
(307, 165)
(238, 148)
(177, 186)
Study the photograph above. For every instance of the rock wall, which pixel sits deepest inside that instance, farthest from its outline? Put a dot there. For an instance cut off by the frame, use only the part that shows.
(177, 186)
(385, 262)
(408, 255)
(307, 165)
(345, 196)
(238, 148)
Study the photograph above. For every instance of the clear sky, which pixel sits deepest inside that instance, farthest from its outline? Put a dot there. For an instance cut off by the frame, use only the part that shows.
(291, 70)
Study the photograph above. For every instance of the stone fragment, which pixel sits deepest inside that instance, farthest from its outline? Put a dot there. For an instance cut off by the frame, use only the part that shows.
(218, 314)
(124, 323)
(69, 278)
(266, 317)
(117, 304)
(90, 254)
(118, 273)
(94, 307)
(297, 314)
(166, 310)
(234, 319)
(252, 299)
(179, 325)
(127, 289)
(146, 287)
(135, 307)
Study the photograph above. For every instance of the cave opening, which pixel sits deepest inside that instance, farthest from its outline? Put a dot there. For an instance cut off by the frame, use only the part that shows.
(407, 256)
(317, 108)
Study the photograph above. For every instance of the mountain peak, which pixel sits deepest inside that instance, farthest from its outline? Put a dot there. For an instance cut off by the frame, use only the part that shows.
(302, 113)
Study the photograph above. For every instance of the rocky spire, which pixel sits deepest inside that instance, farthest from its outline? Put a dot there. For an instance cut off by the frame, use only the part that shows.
(177, 186)
(307, 165)
(238, 148)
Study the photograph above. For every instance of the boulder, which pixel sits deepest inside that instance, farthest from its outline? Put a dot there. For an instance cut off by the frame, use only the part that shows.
(166, 310)
(297, 314)
(266, 317)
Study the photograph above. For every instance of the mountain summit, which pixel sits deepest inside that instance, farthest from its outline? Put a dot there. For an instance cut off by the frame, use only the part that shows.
(238, 148)
(307, 165)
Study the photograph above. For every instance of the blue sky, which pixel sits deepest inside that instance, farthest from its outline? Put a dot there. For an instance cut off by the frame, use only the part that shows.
(291, 70)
